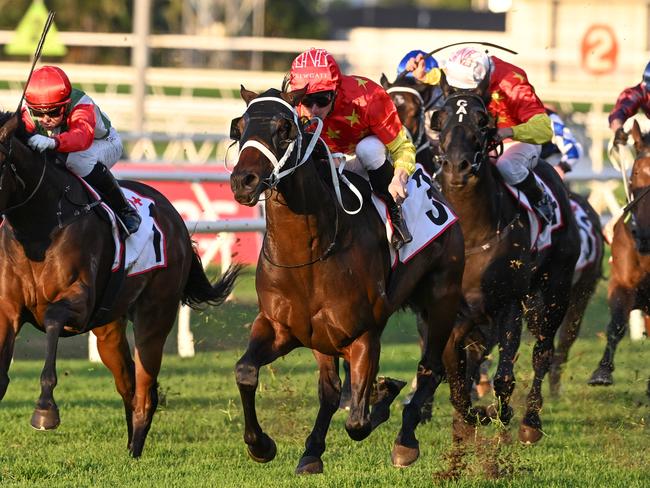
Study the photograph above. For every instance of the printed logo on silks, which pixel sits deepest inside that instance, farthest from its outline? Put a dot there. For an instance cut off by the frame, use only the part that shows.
(317, 58)
(425, 216)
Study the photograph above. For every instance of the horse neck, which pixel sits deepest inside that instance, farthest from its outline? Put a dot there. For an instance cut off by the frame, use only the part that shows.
(34, 207)
(301, 213)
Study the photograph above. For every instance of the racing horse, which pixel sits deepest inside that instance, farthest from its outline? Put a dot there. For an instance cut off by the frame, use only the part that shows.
(57, 253)
(507, 278)
(629, 283)
(413, 100)
(324, 281)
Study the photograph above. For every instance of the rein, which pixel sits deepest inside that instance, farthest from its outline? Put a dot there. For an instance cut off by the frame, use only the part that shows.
(11, 165)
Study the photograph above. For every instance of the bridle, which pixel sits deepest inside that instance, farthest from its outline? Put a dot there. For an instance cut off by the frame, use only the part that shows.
(419, 140)
(7, 162)
(456, 105)
(278, 173)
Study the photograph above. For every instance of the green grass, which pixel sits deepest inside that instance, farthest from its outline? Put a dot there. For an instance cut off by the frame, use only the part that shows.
(594, 436)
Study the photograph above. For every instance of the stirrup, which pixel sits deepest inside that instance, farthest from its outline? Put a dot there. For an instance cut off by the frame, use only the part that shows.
(130, 218)
(545, 208)
(401, 236)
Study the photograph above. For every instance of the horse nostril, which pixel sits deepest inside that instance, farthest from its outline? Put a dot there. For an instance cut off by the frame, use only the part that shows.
(464, 165)
(250, 180)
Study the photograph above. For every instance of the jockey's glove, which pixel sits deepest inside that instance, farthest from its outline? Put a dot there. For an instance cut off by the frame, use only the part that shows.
(41, 143)
(620, 136)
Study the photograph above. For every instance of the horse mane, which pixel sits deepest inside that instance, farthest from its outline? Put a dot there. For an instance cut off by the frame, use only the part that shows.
(21, 131)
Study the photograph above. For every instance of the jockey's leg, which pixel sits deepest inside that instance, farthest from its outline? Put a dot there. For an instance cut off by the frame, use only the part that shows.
(371, 152)
(515, 165)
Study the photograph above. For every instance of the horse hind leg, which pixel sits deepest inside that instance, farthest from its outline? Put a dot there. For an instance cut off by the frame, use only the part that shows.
(329, 392)
(621, 302)
(114, 351)
(8, 332)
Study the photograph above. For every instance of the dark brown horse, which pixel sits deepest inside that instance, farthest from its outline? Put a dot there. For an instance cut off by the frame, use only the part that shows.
(413, 101)
(503, 272)
(629, 283)
(56, 254)
(324, 281)
(585, 281)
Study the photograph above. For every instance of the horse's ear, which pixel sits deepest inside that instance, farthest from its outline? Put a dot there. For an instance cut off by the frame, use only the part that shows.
(247, 95)
(482, 88)
(637, 135)
(384, 81)
(444, 86)
(9, 128)
(294, 97)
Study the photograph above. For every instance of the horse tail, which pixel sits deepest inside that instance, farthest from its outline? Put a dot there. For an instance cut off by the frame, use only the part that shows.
(198, 289)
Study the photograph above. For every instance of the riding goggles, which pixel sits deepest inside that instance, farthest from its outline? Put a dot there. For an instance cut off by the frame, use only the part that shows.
(50, 112)
(321, 99)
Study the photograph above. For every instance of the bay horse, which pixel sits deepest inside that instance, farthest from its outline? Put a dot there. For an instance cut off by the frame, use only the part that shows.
(506, 279)
(324, 281)
(413, 100)
(57, 252)
(629, 283)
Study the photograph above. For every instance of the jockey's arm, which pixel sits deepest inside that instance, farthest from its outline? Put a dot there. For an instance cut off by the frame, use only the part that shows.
(536, 130)
(81, 130)
(402, 152)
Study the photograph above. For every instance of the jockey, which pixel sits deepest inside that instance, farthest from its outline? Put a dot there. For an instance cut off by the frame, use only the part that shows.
(563, 151)
(67, 120)
(358, 118)
(436, 100)
(628, 104)
(522, 122)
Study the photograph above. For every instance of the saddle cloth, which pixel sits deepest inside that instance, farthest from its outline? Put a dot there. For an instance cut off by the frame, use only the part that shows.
(588, 248)
(144, 250)
(426, 217)
(540, 235)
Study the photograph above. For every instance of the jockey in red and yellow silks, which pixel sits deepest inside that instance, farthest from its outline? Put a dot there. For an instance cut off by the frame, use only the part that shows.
(67, 120)
(359, 118)
(520, 115)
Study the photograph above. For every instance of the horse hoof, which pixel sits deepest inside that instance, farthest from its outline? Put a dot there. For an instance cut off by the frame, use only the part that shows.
(503, 415)
(266, 452)
(403, 456)
(601, 377)
(461, 430)
(529, 435)
(310, 465)
(43, 419)
(360, 432)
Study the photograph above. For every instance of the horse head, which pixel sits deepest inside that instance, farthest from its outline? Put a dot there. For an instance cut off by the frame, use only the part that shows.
(270, 140)
(411, 99)
(640, 187)
(465, 127)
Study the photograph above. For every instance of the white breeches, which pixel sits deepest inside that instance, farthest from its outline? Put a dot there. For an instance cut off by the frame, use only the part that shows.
(516, 160)
(370, 154)
(107, 151)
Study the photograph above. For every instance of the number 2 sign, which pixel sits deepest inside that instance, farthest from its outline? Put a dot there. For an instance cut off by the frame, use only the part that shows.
(599, 49)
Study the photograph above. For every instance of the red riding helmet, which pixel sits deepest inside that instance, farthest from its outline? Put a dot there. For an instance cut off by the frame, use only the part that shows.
(316, 68)
(49, 87)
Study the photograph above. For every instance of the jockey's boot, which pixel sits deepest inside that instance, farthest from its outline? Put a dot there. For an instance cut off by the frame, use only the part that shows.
(539, 200)
(102, 180)
(380, 178)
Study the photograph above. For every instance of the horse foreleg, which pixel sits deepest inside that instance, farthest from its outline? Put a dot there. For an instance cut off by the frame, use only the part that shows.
(364, 364)
(509, 338)
(621, 302)
(46, 413)
(114, 351)
(264, 346)
(329, 392)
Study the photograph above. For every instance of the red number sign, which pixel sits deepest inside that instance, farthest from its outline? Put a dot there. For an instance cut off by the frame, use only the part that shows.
(599, 50)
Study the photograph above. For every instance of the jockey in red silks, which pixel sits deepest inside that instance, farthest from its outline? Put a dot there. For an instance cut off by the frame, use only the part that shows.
(522, 121)
(67, 120)
(359, 118)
